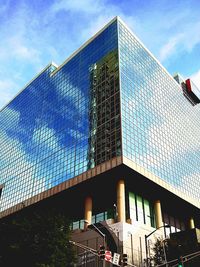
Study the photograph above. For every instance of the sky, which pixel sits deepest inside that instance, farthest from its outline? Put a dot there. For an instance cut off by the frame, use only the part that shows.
(35, 33)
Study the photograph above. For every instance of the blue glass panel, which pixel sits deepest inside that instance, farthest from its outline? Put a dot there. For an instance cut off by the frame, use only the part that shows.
(47, 132)
(160, 128)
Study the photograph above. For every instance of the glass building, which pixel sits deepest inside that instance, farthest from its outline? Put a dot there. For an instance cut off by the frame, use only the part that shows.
(62, 123)
(160, 127)
(110, 104)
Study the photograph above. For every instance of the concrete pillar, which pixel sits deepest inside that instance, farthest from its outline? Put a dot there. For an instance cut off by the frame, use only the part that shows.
(88, 212)
(158, 213)
(191, 223)
(121, 207)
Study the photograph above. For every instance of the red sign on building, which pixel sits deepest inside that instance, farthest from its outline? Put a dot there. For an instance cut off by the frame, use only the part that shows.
(108, 255)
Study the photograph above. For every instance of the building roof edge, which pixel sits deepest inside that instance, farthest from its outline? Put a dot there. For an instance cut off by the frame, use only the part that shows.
(85, 44)
(28, 83)
(148, 51)
(58, 67)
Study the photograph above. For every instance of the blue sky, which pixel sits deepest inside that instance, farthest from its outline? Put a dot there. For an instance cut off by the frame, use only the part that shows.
(34, 33)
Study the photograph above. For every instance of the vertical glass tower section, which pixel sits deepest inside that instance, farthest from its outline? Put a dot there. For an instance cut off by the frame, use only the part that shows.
(66, 121)
(160, 127)
(104, 119)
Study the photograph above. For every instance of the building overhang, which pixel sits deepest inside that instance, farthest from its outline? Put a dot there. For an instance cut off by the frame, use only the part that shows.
(160, 182)
(104, 175)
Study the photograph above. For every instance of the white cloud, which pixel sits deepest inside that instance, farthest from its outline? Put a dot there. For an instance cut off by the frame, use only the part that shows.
(196, 78)
(6, 84)
(95, 25)
(86, 6)
(192, 36)
(30, 39)
(96, 14)
(7, 90)
(170, 47)
(18, 52)
(184, 40)
(23, 52)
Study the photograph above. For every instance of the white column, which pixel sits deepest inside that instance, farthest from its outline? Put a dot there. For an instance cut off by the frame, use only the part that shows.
(191, 223)
(88, 212)
(158, 213)
(121, 207)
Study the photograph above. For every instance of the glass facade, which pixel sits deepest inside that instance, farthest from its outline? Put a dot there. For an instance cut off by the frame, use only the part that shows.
(71, 119)
(160, 127)
(63, 123)
(99, 217)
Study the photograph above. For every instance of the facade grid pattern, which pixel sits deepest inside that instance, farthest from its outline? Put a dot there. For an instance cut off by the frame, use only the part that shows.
(160, 128)
(61, 125)
(72, 119)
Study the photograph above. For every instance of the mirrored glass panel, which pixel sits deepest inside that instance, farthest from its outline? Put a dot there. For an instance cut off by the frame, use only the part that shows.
(63, 123)
(160, 128)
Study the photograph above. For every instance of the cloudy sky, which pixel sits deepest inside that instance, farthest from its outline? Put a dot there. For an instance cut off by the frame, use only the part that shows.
(34, 33)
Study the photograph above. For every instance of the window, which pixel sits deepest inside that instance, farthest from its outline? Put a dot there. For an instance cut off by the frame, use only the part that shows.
(79, 224)
(141, 210)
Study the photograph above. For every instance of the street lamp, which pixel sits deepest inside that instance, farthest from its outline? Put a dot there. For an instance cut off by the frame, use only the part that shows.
(163, 244)
(99, 231)
(146, 236)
